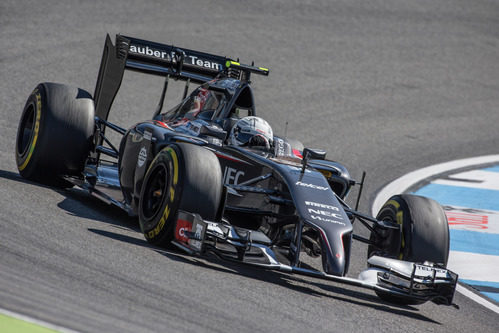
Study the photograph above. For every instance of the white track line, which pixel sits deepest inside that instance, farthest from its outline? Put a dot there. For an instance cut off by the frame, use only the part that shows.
(476, 298)
(401, 184)
(35, 321)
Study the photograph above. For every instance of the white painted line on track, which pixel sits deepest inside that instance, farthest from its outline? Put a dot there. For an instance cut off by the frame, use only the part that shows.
(403, 183)
(35, 321)
(474, 266)
(480, 179)
(480, 300)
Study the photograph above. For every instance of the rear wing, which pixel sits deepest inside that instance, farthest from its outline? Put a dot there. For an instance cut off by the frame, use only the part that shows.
(159, 59)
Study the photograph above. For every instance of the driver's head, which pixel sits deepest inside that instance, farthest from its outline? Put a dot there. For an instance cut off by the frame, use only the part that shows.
(251, 131)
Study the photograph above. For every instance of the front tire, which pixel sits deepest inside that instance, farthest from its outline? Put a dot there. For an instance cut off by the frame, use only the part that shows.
(55, 133)
(181, 176)
(424, 237)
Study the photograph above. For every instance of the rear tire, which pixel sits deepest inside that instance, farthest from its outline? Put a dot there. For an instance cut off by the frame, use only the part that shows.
(425, 234)
(55, 132)
(181, 176)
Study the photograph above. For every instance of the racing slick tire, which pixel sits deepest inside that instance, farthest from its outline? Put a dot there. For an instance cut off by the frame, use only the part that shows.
(424, 237)
(55, 132)
(181, 176)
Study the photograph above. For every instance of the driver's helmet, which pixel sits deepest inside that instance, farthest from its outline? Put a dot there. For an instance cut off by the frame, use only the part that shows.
(251, 131)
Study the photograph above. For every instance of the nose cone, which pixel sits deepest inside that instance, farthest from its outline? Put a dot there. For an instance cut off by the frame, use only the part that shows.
(336, 250)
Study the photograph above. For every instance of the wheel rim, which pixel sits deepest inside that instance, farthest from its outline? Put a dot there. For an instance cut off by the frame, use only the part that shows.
(26, 130)
(155, 192)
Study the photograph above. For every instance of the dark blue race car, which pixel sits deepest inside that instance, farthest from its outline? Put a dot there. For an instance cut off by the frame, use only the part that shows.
(209, 176)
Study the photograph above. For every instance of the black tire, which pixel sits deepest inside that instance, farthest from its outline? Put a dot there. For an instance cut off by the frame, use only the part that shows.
(55, 132)
(425, 234)
(181, 176)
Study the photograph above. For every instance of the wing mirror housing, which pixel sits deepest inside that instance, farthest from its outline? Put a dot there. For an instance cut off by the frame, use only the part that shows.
(213, 131)
(315, 154)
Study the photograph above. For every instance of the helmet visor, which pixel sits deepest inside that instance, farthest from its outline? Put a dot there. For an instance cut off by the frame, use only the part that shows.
(243, 138)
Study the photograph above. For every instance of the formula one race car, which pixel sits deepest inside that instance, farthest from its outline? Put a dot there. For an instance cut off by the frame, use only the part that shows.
(200, 180)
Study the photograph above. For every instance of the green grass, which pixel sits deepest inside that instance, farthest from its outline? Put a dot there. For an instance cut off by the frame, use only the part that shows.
(13, 325)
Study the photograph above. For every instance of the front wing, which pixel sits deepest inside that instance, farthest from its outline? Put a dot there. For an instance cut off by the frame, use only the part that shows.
(417, 282)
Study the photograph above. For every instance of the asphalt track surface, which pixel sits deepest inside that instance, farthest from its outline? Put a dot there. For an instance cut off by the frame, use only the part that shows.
(384, 86)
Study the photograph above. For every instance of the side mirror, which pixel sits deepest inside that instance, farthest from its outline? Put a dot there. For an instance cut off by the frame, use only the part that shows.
(315, 154)
(214, 131)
